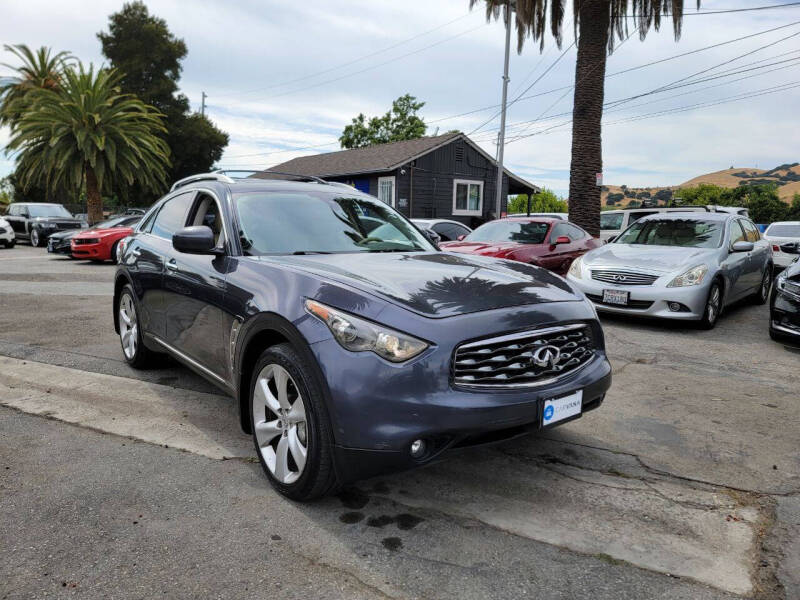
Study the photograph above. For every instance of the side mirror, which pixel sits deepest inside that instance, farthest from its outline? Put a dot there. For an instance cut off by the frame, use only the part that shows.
(198, 239)
(562, 239)
(791, 247)
(742, 247)
(461, 237)
(433, 237)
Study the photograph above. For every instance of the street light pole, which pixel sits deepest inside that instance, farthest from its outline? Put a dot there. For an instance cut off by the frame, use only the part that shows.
(203, 97)
(502, 135)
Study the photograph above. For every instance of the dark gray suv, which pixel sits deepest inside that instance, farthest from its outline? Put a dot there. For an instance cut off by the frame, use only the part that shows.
(351, 344)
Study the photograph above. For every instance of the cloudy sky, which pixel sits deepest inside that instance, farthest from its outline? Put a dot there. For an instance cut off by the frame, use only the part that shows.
(282, 76)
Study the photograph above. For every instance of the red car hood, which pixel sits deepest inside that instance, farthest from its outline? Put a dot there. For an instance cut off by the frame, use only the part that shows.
(497, 249)
(98, 233)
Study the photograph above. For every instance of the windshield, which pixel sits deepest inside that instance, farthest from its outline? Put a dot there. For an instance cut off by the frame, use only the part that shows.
(783, 230)
(510, 231)
(286, 222)
(48, 210)
(687, 233)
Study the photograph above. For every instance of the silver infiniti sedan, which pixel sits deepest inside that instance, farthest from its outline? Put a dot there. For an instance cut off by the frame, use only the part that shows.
(679, 266)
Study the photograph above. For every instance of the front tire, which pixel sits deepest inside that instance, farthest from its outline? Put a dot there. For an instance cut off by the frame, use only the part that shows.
(290, 424)
(136, 353)
(114, 252)
(713, 307)
(36, 238)
(761, 296)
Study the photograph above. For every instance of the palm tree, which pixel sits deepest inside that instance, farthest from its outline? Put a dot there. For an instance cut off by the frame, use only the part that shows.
(597, 24)
(39, 70)
(87, 133)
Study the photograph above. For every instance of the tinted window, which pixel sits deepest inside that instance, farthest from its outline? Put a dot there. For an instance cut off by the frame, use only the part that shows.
(737, 233)
(306, 222)
(559, 230)
(673, 232)
(575, 233)
(510, 231)
(450, 231)
(172, 216)
(635, 216)
(783, 230)
(611, 221)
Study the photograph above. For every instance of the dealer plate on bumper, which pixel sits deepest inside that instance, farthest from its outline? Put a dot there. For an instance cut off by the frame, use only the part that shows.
(558, 409)
(615, 297)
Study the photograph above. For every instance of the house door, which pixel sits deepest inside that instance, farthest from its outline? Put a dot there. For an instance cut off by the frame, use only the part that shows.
(386, 190)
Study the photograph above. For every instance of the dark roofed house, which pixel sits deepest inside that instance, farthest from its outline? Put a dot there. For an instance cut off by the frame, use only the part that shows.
(444, 176)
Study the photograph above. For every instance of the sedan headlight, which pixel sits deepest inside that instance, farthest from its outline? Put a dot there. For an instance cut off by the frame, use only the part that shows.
(693, 276)
(575, 268)
(791, 288)
(359, 335)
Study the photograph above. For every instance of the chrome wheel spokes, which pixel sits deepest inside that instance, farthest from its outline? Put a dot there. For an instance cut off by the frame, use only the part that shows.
(281, 428)
(128, 326)
(713, 305)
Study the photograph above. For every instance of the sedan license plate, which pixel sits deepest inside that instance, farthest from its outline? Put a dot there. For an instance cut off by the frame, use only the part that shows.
(615, 297)
(562, 408)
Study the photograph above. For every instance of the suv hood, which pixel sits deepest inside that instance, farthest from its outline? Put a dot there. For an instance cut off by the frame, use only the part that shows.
(56, 220)
(437, 284)
(654, 259)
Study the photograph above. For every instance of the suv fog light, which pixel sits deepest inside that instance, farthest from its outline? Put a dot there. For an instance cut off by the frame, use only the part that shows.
(418, 448)
(674, 306)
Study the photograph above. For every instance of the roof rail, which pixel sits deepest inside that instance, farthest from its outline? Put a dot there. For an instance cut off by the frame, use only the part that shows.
(306, 177)
(228, 171)
(201, 177)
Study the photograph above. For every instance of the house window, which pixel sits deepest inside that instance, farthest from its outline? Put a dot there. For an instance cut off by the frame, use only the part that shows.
(467, 197)
(386, 190)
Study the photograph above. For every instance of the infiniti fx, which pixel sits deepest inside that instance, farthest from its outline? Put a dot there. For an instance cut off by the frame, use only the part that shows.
(351, 344)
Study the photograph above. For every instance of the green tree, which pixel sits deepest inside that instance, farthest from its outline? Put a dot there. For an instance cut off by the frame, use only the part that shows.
(400, 123)
(764, 205)
(142, 48)
(545, 201)
(598, 23)
(88, 133)
(793, 213)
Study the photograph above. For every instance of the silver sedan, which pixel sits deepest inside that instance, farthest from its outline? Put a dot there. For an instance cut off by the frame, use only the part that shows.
(685, 266)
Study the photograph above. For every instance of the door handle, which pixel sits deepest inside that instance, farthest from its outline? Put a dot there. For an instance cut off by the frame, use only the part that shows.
(172, 265)
(136, 252)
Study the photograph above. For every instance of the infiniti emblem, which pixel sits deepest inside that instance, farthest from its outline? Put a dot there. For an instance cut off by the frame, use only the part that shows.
(619, 278)
(547, 356)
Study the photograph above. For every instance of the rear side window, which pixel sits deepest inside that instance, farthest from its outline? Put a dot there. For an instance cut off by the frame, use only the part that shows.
(611, 221)
(172, 216)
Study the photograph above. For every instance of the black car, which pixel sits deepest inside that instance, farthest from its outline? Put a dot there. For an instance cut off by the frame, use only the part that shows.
(36, 221)
(351, 349)
(784, 304)
(60, 243)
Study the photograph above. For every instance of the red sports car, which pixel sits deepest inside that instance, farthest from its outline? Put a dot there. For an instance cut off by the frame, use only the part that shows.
(549, 243)
(99, 244)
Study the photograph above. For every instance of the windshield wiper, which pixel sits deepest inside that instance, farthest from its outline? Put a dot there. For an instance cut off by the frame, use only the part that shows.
(300, 252)
(397, 250)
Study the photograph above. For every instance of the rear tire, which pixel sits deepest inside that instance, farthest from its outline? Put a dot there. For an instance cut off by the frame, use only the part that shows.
(36, 238)
(761, 296)
(291, 428)
(713, 306)
(135, 352)
(9, 243)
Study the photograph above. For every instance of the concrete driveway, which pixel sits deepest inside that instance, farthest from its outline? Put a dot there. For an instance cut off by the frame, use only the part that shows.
(685, 484)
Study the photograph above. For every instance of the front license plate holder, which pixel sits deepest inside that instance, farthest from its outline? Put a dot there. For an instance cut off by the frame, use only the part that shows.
(619, 297)
(564, 407)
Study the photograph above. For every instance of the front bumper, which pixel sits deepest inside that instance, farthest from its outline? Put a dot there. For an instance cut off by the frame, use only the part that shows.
(55, 246)
(650, 300)
(97, 251)
(379, 408)
(6, 234)
(784, 315)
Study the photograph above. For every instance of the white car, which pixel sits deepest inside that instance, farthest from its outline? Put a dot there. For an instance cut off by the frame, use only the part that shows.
(614, 222)
(7, 237)
(782, 232)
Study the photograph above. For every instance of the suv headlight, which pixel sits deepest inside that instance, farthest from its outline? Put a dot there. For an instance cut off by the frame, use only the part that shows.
(359, 335)
(575, 268)
(693, 276)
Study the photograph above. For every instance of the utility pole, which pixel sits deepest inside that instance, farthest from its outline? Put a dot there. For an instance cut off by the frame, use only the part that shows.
(203, 97)
(502, 134)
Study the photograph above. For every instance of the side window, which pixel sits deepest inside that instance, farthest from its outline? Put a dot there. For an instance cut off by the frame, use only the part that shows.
(13, 210)
(575, 233)
(206, 212)
(635, 216)
(737, 234)
(172, 216)
(148, 223)
(611, 221)
(460, 230)
(750, 231)
(444, 231)
(557, 231)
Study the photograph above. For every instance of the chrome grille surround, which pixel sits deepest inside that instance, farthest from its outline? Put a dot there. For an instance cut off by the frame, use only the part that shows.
(507, 362)
(623, 277)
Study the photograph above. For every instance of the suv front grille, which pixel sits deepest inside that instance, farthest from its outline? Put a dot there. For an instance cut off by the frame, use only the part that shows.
(68, 225)
(524, 359)
(623, 277)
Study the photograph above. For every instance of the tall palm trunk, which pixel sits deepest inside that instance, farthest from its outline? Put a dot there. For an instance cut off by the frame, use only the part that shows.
(587, 113)
(94, 201)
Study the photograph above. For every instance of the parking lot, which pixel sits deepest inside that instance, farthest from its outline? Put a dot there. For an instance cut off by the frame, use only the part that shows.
(684, 484)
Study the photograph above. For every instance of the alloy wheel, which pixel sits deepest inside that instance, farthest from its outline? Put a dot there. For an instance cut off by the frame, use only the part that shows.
(281, 428)
(128, 326)
(35, 238)
(713, 304)
(765, 282)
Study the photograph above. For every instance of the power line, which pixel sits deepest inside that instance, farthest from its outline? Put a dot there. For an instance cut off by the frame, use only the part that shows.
(284, 151)
(721, 11)
(350, 62)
